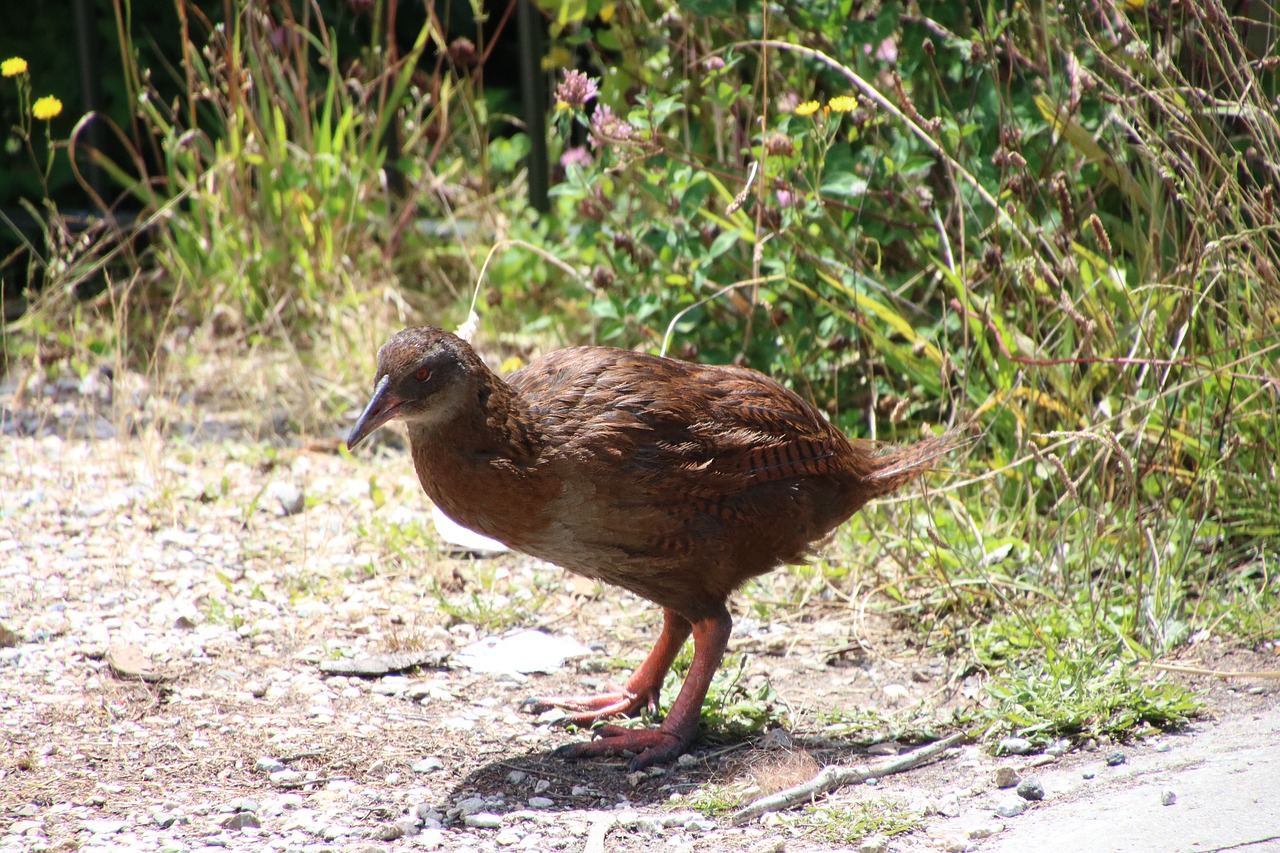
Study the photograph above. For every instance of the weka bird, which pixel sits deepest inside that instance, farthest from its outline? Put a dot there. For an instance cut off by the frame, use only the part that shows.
(676, 481)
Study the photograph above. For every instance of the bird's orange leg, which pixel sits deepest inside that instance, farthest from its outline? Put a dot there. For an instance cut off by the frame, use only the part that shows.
(652, 746)
(642, 688)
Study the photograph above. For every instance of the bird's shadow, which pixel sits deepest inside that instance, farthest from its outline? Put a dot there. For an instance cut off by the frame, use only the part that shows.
(561, 784)
(508, 784)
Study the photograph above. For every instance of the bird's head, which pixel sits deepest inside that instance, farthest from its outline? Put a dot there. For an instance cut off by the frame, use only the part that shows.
(425, 376)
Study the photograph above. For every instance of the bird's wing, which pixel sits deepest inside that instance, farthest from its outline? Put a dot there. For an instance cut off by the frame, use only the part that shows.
(725, 427)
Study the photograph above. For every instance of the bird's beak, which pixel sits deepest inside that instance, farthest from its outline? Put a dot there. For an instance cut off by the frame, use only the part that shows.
(382, 407)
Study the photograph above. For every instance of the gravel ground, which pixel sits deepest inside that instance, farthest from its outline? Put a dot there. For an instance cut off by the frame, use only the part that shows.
(166, 601)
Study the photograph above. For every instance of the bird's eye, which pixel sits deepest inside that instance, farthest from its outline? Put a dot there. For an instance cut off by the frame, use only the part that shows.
(422, 374)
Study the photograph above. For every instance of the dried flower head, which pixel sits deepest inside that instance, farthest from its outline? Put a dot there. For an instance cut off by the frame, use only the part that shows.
(602, 277)
(462, 51)
(713, 63)
(578, 155)
(13, 66)
(778, 145)
(608, 127)
(575, 90)
(46, 108)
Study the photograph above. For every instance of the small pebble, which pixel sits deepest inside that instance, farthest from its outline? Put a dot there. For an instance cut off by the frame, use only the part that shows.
(1006, 776)
(430, 764)
(267, 764)
(240, 820)
(873, 844)
(286, 777)
(516, 777)
(887, 748)
(984, 830)
(686, 760)
(541, 786)
(1031, 789)
(483, 820)
(1059, 748)
(1168, 798)
(895, 694)
(1013, 746)
(1088, 774)
(1011, 808)
(508, 836)
(1115, 759)
(541, 802)
(426, 813)
(289, 495)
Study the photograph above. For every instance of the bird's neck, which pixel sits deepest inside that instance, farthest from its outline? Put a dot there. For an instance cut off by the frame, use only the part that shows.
(488, 451)
(489, 422)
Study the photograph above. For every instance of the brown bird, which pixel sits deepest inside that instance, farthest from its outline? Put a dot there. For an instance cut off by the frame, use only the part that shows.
(676, 481)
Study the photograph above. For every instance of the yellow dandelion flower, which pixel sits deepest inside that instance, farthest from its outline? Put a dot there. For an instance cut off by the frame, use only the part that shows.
(1136, 5)
(13, 66)
(808, 108)
(46, 108)
(843, 104)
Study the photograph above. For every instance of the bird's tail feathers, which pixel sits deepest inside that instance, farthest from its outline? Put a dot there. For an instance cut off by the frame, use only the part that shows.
(896, 466)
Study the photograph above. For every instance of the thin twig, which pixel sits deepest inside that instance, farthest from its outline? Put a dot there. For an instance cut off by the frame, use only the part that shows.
(599, 829)
(837, 776)
(1216, 673)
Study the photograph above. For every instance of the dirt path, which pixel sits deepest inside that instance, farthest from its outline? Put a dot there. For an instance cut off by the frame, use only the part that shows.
(176, 561)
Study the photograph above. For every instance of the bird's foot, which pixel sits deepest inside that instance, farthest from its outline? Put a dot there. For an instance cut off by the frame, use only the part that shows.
(618, 701)
(650, 746)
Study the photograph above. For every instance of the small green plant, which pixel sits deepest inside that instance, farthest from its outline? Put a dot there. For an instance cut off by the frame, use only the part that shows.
(732, 710)
(1086, 696)
(496, 601)
(849, 823)
(710, 800)
(868, 725)
(401, 545)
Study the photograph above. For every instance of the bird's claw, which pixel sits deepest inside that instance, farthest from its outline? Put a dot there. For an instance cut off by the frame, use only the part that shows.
(617, 702)
(650, 746)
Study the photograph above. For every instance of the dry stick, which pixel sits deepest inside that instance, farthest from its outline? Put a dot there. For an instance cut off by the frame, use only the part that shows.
(1216, 673)
(599, 829)
(836, 776)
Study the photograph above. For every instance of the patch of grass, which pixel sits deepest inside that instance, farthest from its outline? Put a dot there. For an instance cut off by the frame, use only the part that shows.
(218, 612)
(710, 800)
(1245, 604)
(1084, 696)
(401, 545)
(868, 725)
(496, 601)
(848, 823)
